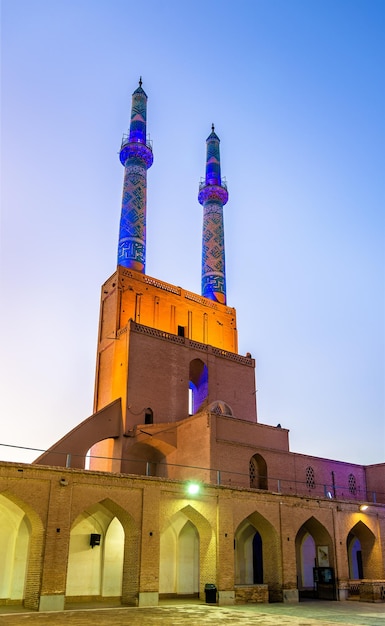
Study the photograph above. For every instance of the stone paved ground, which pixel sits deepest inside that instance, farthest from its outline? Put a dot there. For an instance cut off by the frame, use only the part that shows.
(303, 614)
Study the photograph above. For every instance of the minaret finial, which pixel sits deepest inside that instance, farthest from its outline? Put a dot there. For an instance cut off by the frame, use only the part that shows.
(212, 127)
(213, 195)
(136, 156)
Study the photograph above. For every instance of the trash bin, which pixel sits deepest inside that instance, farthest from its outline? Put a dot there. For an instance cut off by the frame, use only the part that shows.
(210, 593)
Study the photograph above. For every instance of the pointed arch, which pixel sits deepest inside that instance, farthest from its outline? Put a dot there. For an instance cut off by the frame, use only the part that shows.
(20, 528)
(258, 472)
(111, 568)
(198, 384)
(309, 536)
(360, 545)
(257, 553)
(187, 541)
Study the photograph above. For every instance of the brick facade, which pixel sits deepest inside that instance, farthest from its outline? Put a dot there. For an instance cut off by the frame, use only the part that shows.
(54, 498)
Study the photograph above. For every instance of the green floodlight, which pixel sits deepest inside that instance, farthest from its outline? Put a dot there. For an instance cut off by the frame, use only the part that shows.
(193, 489)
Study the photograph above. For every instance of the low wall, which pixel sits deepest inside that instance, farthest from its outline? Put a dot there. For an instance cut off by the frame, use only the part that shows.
(372, 591)
(251, 593)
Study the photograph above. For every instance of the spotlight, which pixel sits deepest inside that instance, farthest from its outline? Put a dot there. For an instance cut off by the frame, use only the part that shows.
(363, 507)
(193, 489)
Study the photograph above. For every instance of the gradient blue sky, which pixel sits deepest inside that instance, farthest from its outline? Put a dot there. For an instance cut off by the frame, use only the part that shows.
(296, 90)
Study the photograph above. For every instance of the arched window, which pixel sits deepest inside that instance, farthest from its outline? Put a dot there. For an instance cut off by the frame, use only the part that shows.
(258, 472)
(198, 385)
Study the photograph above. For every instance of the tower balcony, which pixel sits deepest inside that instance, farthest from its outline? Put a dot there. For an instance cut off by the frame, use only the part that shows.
(203, 183)
(126, 140)
(136, 148)
(213, 192)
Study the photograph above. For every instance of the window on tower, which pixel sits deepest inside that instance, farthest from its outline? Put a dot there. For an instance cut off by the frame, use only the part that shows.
(149, 416)
(198, 385)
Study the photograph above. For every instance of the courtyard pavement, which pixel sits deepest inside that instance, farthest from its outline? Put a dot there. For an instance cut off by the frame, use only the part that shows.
(309, 613)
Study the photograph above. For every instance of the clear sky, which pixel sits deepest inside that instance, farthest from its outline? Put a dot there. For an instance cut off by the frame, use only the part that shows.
(296, 90)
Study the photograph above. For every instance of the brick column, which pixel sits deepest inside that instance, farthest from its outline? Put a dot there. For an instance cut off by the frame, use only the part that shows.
(58, 529)
(150, 548)
(225, 554)
(289, 561)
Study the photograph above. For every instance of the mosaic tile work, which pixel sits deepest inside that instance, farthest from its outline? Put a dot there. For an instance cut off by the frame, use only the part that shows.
(136, 156)
(132, 233)
(213, 195)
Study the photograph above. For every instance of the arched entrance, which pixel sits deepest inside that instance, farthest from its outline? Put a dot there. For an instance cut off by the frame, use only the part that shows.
(360, 544)
(15, 533)
(103, 549)
(20, 528)
(314, 548)
(249, 556)
(257, 554)
(95, 569)
(187, 554)
(179, 558)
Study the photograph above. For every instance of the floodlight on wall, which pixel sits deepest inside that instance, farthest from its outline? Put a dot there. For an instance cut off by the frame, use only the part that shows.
(363, 507)
(94, 540)
(193, 489)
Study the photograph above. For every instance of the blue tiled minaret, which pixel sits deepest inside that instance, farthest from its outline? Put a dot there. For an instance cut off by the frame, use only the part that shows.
(136, 156)
(213, 196)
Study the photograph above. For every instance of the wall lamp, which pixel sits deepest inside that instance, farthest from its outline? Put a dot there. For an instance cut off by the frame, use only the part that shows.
(94, 539)
(363, 507)
(193, 489)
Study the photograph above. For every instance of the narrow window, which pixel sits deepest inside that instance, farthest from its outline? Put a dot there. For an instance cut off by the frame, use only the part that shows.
(198, 385)
(190, 399)
(352, 484)
(149, 416)
(181, 331)
(310, 478)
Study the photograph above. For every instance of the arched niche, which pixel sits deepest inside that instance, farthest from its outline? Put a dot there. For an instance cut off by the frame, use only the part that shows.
(187, 550)
(361, 551)
(257, 553)
(98, 569)
(258, 472)
(312, 541)
(20, 528)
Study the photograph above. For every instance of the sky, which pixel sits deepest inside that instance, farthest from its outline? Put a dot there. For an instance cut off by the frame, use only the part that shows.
(296, 90)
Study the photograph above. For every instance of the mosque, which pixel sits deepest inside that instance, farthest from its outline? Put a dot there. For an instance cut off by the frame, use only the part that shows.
(172, 487)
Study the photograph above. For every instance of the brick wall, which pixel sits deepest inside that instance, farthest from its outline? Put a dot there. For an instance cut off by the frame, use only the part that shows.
(54, 498)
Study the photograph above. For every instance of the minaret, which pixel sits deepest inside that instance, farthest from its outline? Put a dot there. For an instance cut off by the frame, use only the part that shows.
(213, 196)
(136, 156)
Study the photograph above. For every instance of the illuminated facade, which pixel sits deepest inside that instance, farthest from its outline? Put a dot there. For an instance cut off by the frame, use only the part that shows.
(174, 403)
